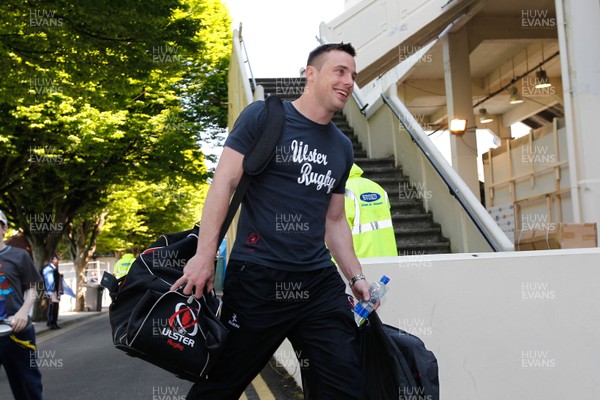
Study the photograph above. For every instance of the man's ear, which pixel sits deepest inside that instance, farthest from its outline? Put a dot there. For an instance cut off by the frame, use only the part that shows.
(310, 72)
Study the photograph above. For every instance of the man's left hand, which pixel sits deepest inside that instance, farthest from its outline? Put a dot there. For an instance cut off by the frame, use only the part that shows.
(360, 289)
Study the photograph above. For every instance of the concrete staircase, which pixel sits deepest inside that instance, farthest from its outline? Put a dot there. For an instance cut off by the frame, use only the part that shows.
(416, 232)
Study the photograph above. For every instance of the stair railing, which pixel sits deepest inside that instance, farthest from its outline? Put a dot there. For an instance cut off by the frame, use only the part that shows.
(241, 93)
(490, 231)
(246, 59)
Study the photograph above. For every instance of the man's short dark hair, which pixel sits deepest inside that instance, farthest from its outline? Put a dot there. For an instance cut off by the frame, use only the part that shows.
(315, 59)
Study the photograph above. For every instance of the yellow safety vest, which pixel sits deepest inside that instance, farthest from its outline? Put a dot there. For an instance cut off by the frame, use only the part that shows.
(368, 213)
(122, 266)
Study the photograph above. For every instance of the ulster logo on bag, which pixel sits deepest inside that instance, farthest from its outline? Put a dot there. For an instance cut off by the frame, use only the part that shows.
(181, 344)
(183, 326)
(173, 331)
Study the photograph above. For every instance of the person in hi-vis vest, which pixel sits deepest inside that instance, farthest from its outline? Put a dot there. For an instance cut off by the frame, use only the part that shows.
(122, 266)
(368, 213)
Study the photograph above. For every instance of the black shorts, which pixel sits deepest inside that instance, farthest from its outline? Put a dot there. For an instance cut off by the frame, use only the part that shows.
(263, 306)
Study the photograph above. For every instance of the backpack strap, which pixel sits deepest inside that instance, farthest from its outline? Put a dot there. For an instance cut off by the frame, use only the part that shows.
(263, 148)
(258, 157)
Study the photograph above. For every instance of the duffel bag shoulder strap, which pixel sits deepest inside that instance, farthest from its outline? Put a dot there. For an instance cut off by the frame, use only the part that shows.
(259, 156)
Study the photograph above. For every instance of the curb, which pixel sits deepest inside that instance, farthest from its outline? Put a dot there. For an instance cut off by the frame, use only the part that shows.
(67, 319)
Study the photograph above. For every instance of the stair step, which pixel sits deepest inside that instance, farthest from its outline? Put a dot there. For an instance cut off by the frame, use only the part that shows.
(368, 163)
(412, 249)
(408, 208)
(382, 172)
(285, 88)
(419, 235)
(414, 220)
(393, 183)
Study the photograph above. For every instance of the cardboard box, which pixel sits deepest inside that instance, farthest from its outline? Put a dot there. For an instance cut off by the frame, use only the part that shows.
(557, 236)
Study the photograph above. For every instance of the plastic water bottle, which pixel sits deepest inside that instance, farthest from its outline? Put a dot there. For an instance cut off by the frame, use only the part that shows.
(364, 308)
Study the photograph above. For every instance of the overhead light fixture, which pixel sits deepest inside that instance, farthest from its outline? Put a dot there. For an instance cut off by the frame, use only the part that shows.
(458, 126)
(541, 79)
(515, 96)
(484, 117)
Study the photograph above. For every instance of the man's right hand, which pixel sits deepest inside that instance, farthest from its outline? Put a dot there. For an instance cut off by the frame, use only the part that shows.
(198, 274)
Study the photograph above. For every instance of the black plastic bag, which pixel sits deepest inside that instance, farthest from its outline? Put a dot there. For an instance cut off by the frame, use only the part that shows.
(386, 371)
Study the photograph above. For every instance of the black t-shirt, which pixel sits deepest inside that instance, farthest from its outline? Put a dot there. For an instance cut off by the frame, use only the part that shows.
(17, 274)
(282, 220)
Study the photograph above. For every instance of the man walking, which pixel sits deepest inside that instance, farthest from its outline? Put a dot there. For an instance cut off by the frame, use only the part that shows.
(52, 283)
(281, 282)
(18, 278)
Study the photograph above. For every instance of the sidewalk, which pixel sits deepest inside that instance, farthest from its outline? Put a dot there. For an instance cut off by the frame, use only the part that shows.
(67, 318)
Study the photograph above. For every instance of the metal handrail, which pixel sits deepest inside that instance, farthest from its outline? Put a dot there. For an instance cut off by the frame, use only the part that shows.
(465, 197)
(247, 59)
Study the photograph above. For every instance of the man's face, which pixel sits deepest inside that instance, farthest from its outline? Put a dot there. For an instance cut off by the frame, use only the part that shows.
(3, 230)
(334, 81)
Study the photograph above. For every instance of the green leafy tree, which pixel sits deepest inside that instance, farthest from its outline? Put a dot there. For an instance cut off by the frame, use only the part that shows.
(98, 94)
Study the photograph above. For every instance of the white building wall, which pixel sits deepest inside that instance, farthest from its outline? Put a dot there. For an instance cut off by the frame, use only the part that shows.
(520, 325)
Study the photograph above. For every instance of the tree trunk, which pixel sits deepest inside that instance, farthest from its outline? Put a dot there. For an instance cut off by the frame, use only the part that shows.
(81, 240)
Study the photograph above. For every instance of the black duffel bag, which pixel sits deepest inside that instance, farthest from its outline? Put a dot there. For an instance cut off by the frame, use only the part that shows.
(169, 329)
(176, 332)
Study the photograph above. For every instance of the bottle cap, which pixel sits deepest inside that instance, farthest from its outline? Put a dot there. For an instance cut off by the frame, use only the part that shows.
(384, 279)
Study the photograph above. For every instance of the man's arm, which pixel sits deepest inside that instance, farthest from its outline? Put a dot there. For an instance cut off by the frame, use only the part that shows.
(199, 271)
(339, 241)
(21, 318)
